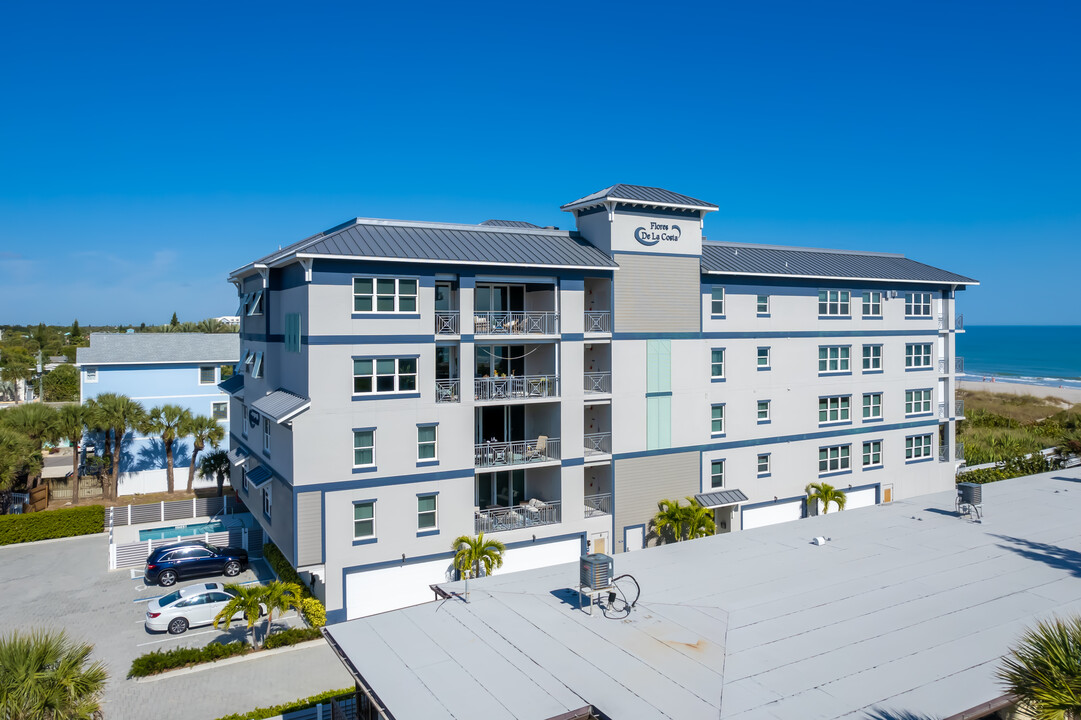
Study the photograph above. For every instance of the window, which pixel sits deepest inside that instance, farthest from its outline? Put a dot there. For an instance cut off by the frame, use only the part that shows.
(385, 295)
(256, 306)
(363, 447)
(244, 479)
(717, 301)
(917, 402)
(872, 406)
(207, 375)
(253, 364)
(834, 409)
(384, 375)
(426, 512)
(716, 474)
(717, 426)
(717, 363)
(268, 499)
(219, 410)
(244, 421)
(763, 411)
(266, 434)
(833, 303)
(872, 454)
(918, 447)
(426, 442)
(364, 520)
(918, 304)
(91, 375)
(833, 358)
(763, 465)
(872, 304)
(762, 305)
(918, 355)
(872, 358)
(292, 332)
(833, 459)
(763, 358)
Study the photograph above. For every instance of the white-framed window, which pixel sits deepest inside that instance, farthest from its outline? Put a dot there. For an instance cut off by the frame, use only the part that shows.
(834, 459)
(427, 509)
(872, 454)
(716, 368)
(363, 448)
(364, 519)
(207, 374)
(917, 447)
(763, 358)
(918, 304)
(717, 301)
(834, 303)
(872, 406)
(763, 411)
(917, 355)
(266, 434)
(427, 439)
(91, 374)
(872, 358)
(833, 358)
(244, 421)
(255, 306)
(717, 419)
(219, 410)
(244, 478)
(292, 332)
(384, 295)
(872, 304)
(268, 499)
(917, 402)
(763, 464)
(716, 474)
(384, 375)
(253, 363)
(834, 409)
(762, 305)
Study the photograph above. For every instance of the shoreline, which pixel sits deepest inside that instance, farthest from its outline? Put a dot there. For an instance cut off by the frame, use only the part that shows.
(1070, 393)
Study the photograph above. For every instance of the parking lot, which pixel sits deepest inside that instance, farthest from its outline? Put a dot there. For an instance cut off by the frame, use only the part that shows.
(65, 584)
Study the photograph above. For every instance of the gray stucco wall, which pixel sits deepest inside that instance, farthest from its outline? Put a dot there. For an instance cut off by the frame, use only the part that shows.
(641, 482)
(309, 528)
(656, 293)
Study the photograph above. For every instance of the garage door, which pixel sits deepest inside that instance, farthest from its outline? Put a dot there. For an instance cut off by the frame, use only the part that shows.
(772, 514)
(541, 555)
(864, 497)
(375, 591)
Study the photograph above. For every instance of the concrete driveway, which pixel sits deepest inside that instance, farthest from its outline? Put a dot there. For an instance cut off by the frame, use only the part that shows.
(64, 584)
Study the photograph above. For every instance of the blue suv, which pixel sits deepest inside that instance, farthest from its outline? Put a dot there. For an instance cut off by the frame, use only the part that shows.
(167, 564)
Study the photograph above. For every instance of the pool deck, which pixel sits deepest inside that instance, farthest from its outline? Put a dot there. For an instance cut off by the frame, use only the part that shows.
(124, 534)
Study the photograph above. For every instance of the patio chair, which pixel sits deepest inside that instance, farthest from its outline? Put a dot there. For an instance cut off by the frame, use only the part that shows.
(538, 450)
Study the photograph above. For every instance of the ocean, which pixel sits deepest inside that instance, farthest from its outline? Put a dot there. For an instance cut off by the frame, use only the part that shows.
(1037, 354)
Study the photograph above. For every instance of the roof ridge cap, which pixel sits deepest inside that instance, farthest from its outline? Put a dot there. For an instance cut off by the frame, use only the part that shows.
(834, 251)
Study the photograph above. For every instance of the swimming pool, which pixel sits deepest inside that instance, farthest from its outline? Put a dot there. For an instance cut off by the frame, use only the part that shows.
(181, 531)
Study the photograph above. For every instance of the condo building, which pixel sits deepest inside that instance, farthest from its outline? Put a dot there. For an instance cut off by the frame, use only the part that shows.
(406, 383)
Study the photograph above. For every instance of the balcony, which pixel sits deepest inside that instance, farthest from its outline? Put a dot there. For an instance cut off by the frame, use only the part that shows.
(516, 387)
(528, 322)
(598, 322)
(503, 519)
(942, 411)
(598, 444)
(959, 323)
(959, 452)
(958, 365)
(447, 322)
(523, 452)
(598, 383)
(447, 391)
(597, 505)
(959, 407)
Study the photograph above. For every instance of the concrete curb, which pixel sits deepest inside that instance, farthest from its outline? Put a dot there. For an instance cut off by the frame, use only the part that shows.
(55, 540)
(230, 661)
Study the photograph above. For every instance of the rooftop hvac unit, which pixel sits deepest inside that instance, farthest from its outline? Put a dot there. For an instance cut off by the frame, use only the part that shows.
(596, 570)
(970, 493)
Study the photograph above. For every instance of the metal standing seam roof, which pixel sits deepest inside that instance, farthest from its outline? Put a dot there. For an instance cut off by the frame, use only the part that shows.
(258, 476)
(511, 223)
(281, 405)
(233, 384)
(773, 261)
(721, 498)
(237, 455)
(639, 194)
(158, 348)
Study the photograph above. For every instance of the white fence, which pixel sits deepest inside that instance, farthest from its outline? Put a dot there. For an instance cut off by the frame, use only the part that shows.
(168, 510)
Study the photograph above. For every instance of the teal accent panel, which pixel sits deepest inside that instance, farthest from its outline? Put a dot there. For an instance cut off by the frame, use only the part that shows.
(658, 422)
(658, 366)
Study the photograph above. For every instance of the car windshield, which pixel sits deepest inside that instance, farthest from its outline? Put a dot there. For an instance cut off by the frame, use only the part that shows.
(214, 549)
(169, 599)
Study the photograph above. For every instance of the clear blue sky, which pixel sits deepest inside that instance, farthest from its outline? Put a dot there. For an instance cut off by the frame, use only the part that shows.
(149, 148)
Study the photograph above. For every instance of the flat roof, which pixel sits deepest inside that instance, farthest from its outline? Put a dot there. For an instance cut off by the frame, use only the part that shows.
(904, 612)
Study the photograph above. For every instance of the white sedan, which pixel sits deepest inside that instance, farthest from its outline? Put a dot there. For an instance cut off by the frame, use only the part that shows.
(189, 607)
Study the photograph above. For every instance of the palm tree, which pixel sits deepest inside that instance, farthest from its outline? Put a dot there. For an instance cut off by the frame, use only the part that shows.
(211, 325)
(282, 596)
(826, 494)
(202, 430)
(668, 523)
(118, 414)
(166, 422)
(215, 464)
(16, 457)
(1044, 670)
(471, 554)
(46, 675)
(698, 520)
(70, 423)
(247, 599)
(37, 422)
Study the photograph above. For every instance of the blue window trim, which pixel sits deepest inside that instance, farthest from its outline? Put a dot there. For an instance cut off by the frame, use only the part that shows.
(634, 527)
(427, 533)
(835, 317)
(394, 356)
(427, 463)
(919, 460)
(385, 396)
(724, 421)
(430, 493)
(871, 468)
(872, 420)
(835, 473)
(365, 541)
(365, 469)
(373, 538)
(385, 315)
(427, 424)
(872, 372)
(919, 369)
(834, 373)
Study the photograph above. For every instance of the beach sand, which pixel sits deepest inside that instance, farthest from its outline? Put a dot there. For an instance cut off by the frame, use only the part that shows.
(1071, 395)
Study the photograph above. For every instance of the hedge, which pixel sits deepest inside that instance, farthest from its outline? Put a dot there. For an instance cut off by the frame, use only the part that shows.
(292, 636)
(49, 524)
(269, 712)
(315, 613)
(159, 661)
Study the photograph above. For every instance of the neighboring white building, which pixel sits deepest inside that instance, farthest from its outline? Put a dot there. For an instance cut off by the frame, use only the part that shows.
(409, 382)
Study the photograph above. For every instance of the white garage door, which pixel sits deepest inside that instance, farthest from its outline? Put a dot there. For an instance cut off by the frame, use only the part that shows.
(859, 498)
(529, 557)
(375, 591)
(772, 514)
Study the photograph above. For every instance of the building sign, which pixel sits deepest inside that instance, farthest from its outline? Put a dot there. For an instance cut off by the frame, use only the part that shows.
(657, 232)
(253, 418)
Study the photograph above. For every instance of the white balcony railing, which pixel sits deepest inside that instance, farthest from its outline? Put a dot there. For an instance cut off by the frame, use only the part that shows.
(959, 407)
(598, 444)
(447, 322)
(942, 411)
(522, 452)
(598, 383)
(503, 519)
(598, 322)
(514, 387)
(958, 364)
(959, 323)
(598, 505)
(529, 322)
(448, 391)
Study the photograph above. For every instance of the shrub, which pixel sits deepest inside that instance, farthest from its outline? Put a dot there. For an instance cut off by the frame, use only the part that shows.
(269, 712)
(314, 612)
(49, 524)
(161, 660)
(292, 636)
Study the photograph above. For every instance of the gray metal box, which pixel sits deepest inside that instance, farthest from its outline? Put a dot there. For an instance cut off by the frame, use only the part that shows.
(971, 493)
(596, 570)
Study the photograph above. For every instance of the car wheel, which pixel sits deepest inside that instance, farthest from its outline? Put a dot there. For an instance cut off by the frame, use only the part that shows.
(232, 568)
(177, 626)
(167, 578)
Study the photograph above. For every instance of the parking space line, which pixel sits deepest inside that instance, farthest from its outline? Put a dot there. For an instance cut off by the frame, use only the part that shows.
(181, 636)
